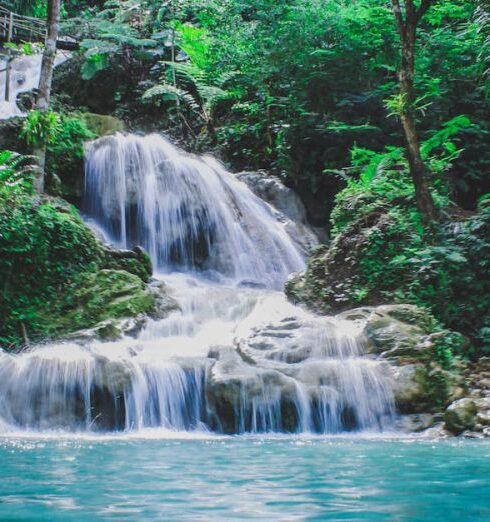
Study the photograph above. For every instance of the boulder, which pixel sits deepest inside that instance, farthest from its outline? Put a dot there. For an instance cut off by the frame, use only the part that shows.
(416, 423)
(271, 189)
(165, 304)
(287, 202)
(9, 136)
(460, 416)
(135, 261)
(410, 339)
(329, 284)
(106, 296)
(102, 124)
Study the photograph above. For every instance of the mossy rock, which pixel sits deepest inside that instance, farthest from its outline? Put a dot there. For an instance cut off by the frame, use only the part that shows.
(460, 416)
(135, 261)
(109, 294)
(9, 136)
(57, 277)
(102, 124)
(419, 388)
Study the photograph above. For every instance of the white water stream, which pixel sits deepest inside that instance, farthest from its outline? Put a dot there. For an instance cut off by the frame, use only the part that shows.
(236, 356)
(25, 72)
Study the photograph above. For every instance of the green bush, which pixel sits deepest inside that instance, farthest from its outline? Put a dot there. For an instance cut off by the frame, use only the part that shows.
(64, 136)
(443, 268)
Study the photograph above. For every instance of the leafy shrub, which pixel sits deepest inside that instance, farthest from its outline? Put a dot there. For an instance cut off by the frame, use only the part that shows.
(64, 136)
(65, 154)
(382, 253)
(41, 128)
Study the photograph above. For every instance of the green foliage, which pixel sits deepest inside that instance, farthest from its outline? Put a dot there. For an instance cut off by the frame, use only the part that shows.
(47, 255)
(443, 269)
(64, 136)
(378, 180)
(201, 93)
(287, 86)
(65, 153)
(15, 175)
(41, 128)
(114, 35)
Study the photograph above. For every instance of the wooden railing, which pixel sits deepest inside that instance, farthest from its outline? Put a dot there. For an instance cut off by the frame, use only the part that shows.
(14, 27)
(18, 28)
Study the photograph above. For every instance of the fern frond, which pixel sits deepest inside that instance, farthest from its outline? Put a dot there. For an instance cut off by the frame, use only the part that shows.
(168, 91)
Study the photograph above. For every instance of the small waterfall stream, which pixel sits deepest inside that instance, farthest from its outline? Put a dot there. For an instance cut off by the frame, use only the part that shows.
(236, 356)
(24, 77)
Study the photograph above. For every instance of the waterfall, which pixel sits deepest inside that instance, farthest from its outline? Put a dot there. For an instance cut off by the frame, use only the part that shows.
(187, 212)
(236, 356)
(25, 72)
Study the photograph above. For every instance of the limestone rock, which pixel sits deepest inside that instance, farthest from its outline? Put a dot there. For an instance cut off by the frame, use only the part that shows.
(272, 190)
(329, 282)
(164, 302)
(287, 202)
(102, 124)
(416, 422)
(410, 393)
(461, 416)
(135, 261)
(108, 295)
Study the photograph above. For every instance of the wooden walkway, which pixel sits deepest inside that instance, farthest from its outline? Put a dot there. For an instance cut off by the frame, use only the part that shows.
(17, 29)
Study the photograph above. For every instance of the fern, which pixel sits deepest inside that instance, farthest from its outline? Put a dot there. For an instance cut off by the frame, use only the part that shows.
(199, 91)
(167, 91)
(16, 172)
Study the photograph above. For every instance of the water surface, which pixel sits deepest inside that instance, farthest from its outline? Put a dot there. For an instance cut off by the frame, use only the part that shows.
(243, 478)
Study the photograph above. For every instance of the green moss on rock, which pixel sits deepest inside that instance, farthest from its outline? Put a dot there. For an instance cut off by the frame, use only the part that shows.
(57, 277)
(101, 124)
(104, 295)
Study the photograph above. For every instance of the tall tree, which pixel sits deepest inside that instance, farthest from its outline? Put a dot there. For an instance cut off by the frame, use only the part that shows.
(46, 79)
(407, 19)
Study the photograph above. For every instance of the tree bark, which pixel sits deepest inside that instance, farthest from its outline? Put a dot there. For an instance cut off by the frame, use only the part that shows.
(407, 28)
(46, 79)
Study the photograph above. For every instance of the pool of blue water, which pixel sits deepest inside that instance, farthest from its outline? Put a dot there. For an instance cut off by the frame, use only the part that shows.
(243, 478)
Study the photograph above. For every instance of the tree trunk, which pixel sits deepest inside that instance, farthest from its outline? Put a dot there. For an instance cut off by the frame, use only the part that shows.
(408, 33)
(46, 79)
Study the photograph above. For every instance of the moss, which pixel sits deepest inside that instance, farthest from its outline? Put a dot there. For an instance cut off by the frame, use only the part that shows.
(385, 257)
(101, 124)
(102, 295)
(415, 316)
(435, 385)
(135, 261)
(57, 277)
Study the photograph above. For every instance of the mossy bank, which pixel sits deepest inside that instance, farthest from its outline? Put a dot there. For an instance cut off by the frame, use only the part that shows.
(56, 277)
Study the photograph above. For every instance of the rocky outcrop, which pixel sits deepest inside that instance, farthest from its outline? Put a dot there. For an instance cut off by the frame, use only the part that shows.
(460, 416)
(53, 266)
(153, 302)
(330, 282)
(435, 396)
(10, 136)
(470, 416)
(102, 124)
(413, 343)
(135, 261)
(271, 189)
(287, 203)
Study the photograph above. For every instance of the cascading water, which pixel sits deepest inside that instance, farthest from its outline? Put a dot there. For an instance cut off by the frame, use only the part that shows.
(187, 212)
(24, 77)
(235, 356)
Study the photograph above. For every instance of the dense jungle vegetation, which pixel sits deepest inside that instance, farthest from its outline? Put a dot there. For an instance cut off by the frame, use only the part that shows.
(310, 91)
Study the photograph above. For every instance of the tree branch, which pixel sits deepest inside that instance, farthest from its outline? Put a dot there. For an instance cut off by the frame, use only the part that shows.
(424, 7)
